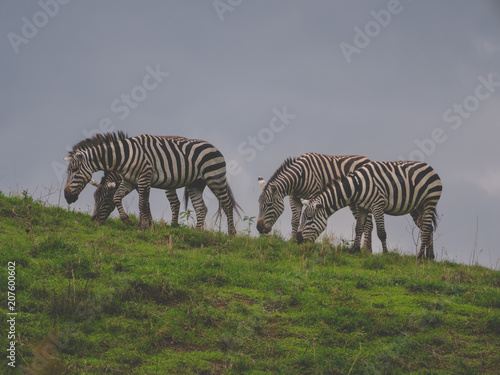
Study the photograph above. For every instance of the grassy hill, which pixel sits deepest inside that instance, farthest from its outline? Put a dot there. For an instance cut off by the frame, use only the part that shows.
(113, 300)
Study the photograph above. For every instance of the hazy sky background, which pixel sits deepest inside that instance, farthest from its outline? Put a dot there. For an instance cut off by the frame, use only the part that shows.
(385, 79)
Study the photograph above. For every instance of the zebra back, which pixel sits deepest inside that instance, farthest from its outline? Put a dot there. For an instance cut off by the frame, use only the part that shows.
(309, 174)
(405, 185)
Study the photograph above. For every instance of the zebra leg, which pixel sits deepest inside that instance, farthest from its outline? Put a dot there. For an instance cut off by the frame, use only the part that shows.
(417, 218)
(195, 192)
(175, 205)
(123, 190)
(361, 215)
(228, 207)
(219, 186)
(427, 247)
(430, 244)
(144, 189)
(368, 233)
(368, 227)
(378, 215)
(296, 207)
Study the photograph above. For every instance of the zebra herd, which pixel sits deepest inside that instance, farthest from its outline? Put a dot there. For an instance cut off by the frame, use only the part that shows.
(322, 183)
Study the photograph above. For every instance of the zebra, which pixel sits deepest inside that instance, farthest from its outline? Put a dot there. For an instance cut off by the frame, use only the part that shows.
(303, 177)
(393, 188)
(148, 161)
(104, 194)
(107, 187)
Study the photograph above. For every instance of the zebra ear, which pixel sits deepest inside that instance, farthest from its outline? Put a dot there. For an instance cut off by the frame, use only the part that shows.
(94, 183)
(111, 185)
(262, 183)
(79, 156)
(305, 202)
(67, 158)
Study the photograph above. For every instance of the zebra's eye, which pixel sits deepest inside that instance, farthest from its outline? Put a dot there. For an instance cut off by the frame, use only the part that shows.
(74, 166)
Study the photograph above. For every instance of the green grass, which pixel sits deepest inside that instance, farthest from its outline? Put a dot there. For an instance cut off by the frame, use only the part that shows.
(114, 300)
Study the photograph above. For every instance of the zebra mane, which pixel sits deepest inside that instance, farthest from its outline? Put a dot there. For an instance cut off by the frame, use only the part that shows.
(97, 140)
(286, 164)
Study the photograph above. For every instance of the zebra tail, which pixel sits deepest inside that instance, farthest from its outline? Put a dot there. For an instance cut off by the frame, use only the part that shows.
(186, 199)
(435, 221)
(237, 208)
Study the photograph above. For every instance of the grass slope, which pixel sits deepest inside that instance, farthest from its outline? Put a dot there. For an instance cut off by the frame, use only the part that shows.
(114, 300)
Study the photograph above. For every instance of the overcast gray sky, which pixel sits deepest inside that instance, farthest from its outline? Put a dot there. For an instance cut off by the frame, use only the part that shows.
(264, 80)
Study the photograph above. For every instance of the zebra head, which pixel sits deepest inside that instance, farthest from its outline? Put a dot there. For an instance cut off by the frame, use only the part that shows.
(79, 174)
(271, 206)
(103, 197)
(313, 221)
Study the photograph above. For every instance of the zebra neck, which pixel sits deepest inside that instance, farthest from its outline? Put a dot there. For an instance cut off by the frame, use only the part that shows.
(284, 186)
(107, 157)
(292, 181)
(118, 154)
(96, 163)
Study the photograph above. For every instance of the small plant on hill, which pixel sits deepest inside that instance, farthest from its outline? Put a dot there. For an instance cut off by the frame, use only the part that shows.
(186, 217)
(250, 221)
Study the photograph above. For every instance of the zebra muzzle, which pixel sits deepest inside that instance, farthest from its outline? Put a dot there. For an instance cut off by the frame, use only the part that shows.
(300, 239)
(70, 197)
(261, 227)
(98, 219)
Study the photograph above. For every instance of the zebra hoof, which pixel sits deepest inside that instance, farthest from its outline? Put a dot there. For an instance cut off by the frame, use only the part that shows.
(128, 222)
(144, 226)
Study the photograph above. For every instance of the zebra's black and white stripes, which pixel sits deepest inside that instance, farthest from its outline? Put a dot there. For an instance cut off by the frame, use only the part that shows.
(103, 196)
(104, 202)
(393, 188)
(149, 161)
(303, 177)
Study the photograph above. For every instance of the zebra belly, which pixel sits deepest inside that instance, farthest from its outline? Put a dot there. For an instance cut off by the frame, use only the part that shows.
(392, 209)
(396, 212)
(166, 181)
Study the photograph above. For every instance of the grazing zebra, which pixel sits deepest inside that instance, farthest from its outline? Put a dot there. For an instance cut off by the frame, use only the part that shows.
(394, 188)
(105, 192)
(148, 161)
(106, 189)
(303, 177)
